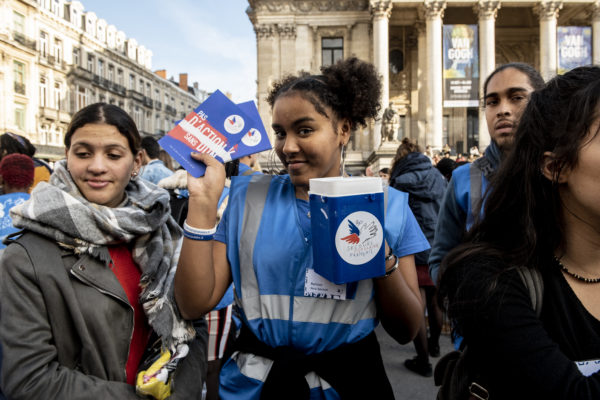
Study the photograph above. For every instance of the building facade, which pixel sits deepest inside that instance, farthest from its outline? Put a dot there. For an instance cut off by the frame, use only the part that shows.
(56, 57)
(403, 39)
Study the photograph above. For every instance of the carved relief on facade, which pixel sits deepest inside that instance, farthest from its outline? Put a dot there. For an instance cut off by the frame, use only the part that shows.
(526, 51)
(548, 10)
(331, 31)
(433, 9)
(594, 11)
(264, 31)
(307, 6)
(287, 31)
(486, 9)
(381, 8)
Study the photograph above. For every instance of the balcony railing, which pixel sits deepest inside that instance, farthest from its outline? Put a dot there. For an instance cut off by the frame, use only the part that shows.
(170, 110)
(19, 88)
(22, 39)
(119, 89)
(82, 73)
(135, 95)
(148, 102)
(157, 105)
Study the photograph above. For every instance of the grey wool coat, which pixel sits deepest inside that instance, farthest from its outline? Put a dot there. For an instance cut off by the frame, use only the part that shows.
(65, 329)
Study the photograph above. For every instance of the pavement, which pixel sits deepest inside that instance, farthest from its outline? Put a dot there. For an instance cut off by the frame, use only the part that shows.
(408, 385)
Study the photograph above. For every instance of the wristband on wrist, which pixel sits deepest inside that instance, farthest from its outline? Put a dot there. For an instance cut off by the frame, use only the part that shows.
(195, 236)
(198, 231)
(391, 270)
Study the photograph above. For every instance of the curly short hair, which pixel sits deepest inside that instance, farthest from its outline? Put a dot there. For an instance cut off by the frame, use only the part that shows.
(351, 88)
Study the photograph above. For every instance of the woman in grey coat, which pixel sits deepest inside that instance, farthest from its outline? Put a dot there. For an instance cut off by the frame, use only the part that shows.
(87, 289)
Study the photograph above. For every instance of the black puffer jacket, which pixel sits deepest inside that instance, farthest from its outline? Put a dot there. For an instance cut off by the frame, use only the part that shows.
(425, 185)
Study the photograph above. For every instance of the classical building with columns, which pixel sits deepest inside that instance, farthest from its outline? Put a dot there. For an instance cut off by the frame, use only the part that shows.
(403, 39)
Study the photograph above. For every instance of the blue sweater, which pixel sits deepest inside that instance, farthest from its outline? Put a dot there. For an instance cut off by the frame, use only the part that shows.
(456, 206)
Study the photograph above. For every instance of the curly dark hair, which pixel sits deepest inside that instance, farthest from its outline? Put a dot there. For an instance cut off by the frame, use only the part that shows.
(351, 88)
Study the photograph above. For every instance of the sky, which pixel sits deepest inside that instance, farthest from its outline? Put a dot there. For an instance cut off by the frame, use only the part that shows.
(212, 40)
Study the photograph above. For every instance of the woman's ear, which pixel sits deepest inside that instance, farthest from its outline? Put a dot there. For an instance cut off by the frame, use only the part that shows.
(550, 169)
(345, 131)
(137, 162)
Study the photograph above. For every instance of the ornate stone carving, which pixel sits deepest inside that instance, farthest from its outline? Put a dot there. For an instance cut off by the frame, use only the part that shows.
(287, 31)
(548, 10)
(307, 6)
(434, 9)
(264, 31)
(512, 50)
(420, 27)
(381, 8)
(595, 11)
(487, 9)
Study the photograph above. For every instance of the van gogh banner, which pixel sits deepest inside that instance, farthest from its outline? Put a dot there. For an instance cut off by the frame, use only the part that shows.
(219, 127)
(461, 66)
(574, 47)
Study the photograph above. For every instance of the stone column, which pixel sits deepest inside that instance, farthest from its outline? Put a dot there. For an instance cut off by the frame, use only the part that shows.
(304, 47)
(487, 11)
(266, 69)
(595, 22)
(548, 14)
(422, 83)
(287, 46)
(434, 12)
(381, 11)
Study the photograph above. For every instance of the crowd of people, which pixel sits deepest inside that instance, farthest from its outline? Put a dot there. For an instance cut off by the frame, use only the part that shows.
(122, 278)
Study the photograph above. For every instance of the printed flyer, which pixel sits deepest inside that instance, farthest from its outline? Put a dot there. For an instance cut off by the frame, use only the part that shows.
(218, 127)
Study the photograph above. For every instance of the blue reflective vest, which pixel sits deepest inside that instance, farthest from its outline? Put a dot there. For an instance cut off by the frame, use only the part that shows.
(269, 255)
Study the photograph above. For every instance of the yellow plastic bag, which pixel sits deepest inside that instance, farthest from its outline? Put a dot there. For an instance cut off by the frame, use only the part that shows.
(155, 381)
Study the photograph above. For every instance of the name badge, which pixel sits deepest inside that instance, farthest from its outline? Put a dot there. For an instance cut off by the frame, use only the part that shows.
(317, 286)
(588, 367)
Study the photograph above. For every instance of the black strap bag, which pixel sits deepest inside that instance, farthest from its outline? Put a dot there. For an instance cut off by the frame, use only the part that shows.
(455, 376)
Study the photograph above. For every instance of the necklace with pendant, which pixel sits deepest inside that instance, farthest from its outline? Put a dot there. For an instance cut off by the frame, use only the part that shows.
(576, 276)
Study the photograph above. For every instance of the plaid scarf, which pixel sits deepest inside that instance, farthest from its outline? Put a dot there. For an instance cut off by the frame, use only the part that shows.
(59, 211)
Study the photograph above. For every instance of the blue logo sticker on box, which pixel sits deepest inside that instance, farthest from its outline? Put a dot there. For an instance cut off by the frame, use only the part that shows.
(348, 236)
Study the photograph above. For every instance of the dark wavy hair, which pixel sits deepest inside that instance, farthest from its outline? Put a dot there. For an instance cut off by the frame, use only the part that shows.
(351, 88)
(11, 143)
(103, 113)
(535, 79)
(523, 223)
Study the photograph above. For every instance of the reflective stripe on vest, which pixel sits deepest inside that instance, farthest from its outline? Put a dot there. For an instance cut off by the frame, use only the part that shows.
(277, 307)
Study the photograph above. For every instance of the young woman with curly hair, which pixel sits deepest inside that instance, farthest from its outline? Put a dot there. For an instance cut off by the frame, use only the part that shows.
(294, 345)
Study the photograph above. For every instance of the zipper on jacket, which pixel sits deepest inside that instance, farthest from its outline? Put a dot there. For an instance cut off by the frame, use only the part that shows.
(114, 296)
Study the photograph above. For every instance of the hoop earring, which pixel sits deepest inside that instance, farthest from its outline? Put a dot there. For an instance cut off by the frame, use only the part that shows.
(343, 162)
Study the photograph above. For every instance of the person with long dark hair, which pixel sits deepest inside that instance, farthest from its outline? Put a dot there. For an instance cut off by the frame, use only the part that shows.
(296, 343)
(542, 213)
(87, 288)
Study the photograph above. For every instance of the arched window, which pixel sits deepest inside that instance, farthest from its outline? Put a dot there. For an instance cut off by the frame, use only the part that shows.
(396, 61)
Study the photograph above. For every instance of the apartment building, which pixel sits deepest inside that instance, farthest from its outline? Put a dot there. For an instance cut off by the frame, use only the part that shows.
(56, 57)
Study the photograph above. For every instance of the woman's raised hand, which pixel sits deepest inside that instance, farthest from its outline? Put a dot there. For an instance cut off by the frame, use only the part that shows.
(207, 189)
